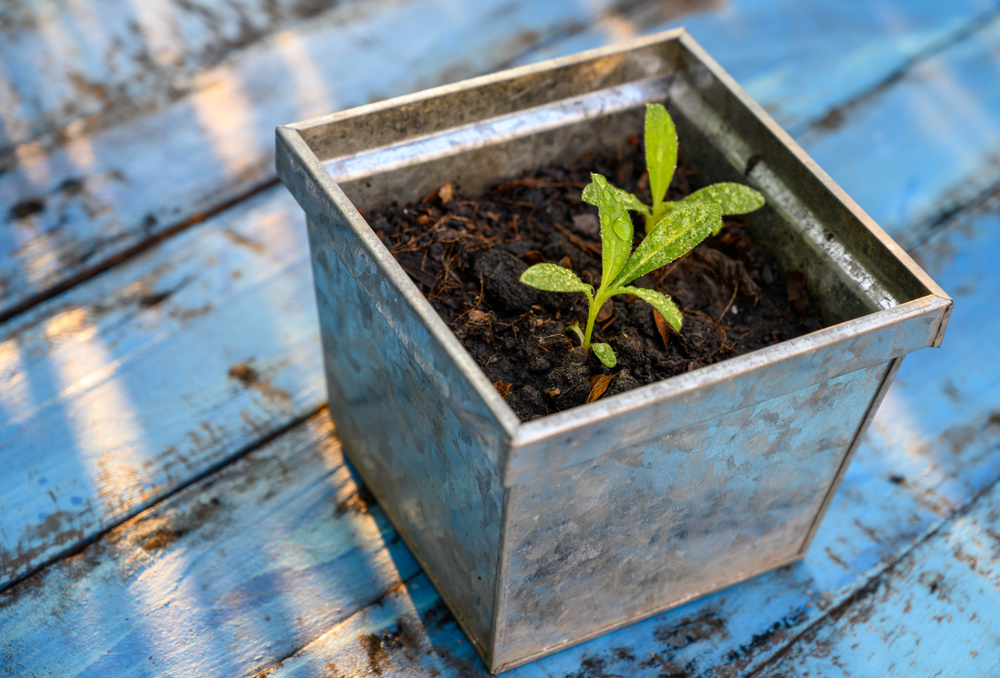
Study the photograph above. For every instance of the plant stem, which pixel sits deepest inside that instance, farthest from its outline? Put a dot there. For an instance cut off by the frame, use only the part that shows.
(595, 308)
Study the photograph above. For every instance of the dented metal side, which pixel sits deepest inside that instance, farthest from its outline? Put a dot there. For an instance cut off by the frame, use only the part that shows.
(592, 518)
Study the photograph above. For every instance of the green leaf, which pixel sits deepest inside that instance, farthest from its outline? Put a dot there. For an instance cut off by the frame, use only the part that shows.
(661, 150)
(628, 200)
(605, 354)
(731, 198)
(676, 235)
(616, 226)
(553, 278)
(575, 327)
(661, 302)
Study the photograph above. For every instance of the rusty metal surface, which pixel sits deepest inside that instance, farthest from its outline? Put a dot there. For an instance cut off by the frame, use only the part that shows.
(418, 365)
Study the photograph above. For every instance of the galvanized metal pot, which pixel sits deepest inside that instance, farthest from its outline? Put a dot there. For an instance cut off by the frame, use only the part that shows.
(541, 535)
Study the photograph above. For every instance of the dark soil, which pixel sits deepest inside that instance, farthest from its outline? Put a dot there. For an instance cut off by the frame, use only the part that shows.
(466, 255)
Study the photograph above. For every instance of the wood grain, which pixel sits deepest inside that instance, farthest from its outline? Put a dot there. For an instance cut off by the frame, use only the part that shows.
(152, 374)
(936, 609)
(162, 351)
(68, 69)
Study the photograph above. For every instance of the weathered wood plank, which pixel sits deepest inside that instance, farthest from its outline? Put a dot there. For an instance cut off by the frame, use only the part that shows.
(898, 488)
(936, 612)
(410, 633)
(808, 58)
(928, 163)
(148, 376)
(941, 426)
(70, 68)
(72, 211)
(222, 579)
(75, 209)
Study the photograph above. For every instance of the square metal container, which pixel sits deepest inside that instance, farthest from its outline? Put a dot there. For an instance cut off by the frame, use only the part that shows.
(541, 535)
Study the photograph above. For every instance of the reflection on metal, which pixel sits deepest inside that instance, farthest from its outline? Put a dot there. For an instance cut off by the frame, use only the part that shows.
(496, 130)
(544, 534)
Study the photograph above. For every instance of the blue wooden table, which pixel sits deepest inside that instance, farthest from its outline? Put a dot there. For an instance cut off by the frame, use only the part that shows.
(173, 497)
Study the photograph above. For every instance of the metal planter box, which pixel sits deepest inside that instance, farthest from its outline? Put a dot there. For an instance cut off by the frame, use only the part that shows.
(541, 535)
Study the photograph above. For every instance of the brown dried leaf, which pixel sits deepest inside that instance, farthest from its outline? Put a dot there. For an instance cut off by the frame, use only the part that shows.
(598, 385)
(663, 327)
(502, 388)
(446, 192)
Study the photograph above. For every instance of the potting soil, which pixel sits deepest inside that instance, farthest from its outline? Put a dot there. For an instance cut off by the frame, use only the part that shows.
(466, 254)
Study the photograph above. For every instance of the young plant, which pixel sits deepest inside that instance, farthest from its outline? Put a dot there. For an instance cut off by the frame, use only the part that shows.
(683, 227)
(661, 162)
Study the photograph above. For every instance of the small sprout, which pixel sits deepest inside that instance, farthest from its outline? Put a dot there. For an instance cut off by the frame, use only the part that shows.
(672, 230)
(575, 327)
(675, 235)
(661, 162)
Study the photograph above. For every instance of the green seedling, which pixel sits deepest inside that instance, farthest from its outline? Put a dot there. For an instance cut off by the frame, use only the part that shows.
(661, 163)
(677, 233)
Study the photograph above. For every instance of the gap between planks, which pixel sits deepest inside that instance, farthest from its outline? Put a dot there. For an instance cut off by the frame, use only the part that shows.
(985, 498)
(250, 559)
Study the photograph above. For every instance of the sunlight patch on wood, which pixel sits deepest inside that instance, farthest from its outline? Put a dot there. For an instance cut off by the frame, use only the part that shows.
(224, 113)
(311, 93)
(618, 28)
